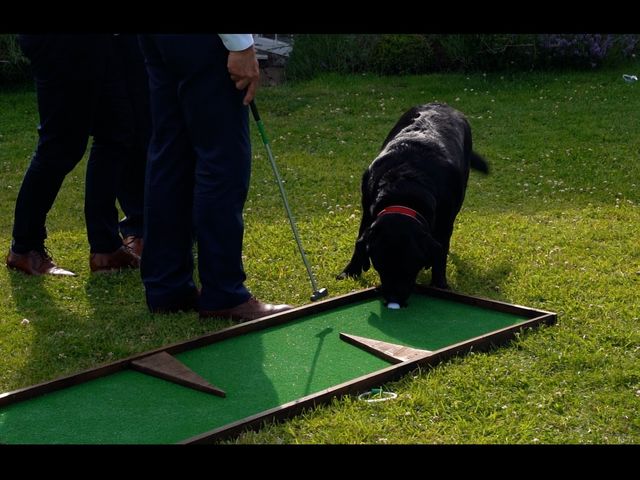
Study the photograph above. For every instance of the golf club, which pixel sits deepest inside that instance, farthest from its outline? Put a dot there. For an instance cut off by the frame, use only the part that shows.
(317, 293)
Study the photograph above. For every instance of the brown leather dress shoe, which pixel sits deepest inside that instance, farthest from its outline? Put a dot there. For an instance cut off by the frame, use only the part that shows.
(134, 243)
(35, 262)
(111, 262)
(249, 310)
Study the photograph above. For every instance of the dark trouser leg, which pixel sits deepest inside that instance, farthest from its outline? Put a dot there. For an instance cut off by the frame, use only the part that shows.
(167, 258)
(131, 185)
(112, 145)
(103, 170)
(218, 124)
(131, 194)
(64, 92)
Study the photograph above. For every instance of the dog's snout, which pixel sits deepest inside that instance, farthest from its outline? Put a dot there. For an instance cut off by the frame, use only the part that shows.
(395, 292)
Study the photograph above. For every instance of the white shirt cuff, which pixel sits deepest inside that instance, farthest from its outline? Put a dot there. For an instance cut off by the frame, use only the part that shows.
(236, 41)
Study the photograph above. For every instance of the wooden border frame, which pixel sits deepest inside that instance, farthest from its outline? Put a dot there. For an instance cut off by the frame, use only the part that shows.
(358, 385)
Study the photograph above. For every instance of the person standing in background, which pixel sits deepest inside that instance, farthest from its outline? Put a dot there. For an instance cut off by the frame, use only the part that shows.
(80, 94)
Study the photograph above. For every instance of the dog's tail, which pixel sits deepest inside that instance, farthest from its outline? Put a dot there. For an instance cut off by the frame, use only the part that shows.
(479, 163)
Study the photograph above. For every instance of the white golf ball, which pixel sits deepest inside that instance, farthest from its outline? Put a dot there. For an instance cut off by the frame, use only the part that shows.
(393, 305)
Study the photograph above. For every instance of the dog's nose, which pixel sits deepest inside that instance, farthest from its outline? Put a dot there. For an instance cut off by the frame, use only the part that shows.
(392, 300)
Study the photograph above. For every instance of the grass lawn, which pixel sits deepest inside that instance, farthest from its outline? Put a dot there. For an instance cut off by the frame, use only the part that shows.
(555, 226)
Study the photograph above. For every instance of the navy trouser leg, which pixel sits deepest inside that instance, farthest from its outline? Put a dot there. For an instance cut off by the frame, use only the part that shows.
(110, 152)
(167, 258)
(131, 184)
(64, 93)
(218, 125)
(217, 128)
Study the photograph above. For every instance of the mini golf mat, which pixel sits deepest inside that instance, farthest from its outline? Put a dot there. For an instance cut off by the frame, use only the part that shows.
(269, 368)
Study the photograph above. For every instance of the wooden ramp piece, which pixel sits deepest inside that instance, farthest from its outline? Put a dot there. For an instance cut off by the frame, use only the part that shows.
(387, 351)
(165, 366)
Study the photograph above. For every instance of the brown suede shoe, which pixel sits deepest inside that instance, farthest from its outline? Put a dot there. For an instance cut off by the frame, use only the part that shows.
(35, 262)
(134, 243)
(249, 310)
(111, 262)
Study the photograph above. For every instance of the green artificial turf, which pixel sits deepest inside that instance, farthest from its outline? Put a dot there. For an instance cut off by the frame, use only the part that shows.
(258, 371)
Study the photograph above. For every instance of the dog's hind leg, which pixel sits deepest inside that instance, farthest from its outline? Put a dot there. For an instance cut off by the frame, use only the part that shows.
(439, 267)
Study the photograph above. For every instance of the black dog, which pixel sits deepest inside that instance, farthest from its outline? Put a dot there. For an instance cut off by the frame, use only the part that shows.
(411, 194)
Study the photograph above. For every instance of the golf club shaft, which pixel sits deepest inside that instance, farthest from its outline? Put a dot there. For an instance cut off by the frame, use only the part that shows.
(265, 141)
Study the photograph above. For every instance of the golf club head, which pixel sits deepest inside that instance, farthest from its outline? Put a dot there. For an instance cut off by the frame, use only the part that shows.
(323, 292)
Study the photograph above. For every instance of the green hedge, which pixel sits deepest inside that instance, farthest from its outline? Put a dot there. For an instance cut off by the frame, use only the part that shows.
(399, 54)
(313, 54)
(14, 67)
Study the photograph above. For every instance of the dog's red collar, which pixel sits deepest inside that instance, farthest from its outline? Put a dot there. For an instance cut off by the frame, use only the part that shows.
(410, 212)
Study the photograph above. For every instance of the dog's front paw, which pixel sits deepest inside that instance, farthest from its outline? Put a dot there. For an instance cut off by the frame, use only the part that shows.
(347, 274)
(359, 262)
(350, 271)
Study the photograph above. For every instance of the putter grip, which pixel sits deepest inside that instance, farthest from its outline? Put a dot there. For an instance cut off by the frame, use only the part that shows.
(254, 110)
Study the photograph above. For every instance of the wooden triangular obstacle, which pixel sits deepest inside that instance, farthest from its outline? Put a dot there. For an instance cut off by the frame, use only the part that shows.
(169, 368)
(387, 351)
